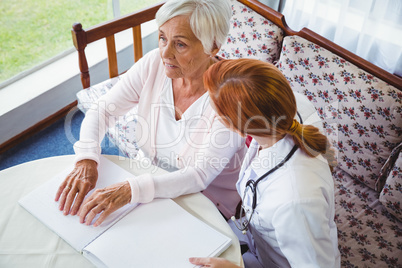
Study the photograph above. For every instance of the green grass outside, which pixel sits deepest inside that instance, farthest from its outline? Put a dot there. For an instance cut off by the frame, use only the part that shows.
(33, 31)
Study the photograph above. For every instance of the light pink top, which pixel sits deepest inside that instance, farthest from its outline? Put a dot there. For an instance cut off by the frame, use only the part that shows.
(210, 160)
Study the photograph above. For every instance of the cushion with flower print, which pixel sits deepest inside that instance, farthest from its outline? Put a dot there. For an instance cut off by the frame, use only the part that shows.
(251, 36)
(368, 234)
(361, 114)
(122, 133)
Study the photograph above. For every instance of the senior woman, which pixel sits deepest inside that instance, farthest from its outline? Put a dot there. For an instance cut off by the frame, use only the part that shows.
(176, 125)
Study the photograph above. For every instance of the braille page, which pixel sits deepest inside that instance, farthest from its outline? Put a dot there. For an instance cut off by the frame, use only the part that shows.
(40, 203)
(157, 234)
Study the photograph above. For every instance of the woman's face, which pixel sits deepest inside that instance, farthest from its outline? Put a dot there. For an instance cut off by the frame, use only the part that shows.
(225, 120)
(182, 53)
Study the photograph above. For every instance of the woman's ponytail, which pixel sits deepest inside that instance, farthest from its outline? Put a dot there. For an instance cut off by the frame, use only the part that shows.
(311, 141)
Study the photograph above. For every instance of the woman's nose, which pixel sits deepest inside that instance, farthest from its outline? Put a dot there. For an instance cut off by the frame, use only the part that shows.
(167, 51)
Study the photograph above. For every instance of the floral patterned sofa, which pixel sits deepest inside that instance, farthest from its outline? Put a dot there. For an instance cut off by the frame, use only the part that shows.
(360, 107)
(362, 117)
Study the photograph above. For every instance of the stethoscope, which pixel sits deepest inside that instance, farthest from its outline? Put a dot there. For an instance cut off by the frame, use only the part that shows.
(252, 185)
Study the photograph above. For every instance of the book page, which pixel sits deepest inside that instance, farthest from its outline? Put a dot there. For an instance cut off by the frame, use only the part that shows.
(41, 204)
(156, 234)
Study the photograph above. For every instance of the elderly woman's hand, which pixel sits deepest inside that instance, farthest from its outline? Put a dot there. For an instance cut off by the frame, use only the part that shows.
(76, 186)
(213, 262)
(105, 201)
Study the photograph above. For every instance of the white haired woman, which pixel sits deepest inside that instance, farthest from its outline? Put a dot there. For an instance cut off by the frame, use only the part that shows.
(176, 125)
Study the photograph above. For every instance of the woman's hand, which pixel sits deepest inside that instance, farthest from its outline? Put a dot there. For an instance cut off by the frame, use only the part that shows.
(105, 201)
(213, 262)
(76, 186)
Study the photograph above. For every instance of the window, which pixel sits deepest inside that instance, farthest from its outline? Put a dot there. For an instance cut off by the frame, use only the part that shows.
(34, 32)
(371, 29)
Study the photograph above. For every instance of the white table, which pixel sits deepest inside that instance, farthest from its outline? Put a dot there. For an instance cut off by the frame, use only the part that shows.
(26, 242)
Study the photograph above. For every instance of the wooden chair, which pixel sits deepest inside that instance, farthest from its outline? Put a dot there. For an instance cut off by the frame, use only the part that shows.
(107, 30)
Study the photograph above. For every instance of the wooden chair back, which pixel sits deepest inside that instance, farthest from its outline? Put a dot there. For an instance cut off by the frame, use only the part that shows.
(107, 30)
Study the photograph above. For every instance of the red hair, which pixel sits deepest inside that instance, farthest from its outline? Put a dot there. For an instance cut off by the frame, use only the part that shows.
(254, 98)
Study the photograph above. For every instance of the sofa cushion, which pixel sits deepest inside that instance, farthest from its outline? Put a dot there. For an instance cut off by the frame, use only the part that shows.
(89, 95)
(251, 35)
(122, 134)
(391, 194)
(368, 234)
(362, 115)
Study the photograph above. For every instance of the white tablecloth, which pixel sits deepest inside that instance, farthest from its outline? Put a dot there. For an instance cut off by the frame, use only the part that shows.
(26, 242)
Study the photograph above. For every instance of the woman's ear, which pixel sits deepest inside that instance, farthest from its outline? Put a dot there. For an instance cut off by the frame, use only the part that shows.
(215, 50)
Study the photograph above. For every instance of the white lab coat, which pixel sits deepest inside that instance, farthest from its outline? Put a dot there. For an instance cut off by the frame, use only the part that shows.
(293, 223)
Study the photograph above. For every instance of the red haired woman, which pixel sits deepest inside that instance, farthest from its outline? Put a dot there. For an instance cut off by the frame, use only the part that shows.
(285, 182)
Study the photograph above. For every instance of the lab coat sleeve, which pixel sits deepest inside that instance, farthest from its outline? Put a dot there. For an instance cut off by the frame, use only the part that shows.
(303, 233)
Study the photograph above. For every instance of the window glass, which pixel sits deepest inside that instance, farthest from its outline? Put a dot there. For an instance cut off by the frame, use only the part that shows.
(36, 30)
(33, 31)
(128, 6)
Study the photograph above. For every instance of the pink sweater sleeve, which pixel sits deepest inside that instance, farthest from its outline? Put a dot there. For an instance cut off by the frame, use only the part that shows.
(221, 156)
(117, 102)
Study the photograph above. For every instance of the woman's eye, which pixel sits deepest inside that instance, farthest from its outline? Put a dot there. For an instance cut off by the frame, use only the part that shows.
(181, 45)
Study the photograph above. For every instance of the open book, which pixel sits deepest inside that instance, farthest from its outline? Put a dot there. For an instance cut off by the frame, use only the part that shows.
(156, 234)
